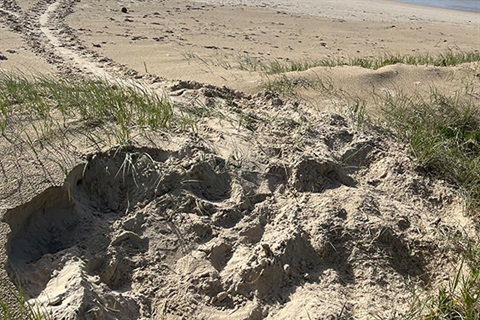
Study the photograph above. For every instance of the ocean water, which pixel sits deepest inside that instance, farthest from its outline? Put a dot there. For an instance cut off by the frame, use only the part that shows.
(468, 5)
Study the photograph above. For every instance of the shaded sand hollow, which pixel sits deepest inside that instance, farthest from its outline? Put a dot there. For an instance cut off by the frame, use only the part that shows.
(275, 207)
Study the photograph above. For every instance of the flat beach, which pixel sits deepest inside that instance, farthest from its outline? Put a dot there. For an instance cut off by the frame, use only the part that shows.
(206, 41)
(188, 42)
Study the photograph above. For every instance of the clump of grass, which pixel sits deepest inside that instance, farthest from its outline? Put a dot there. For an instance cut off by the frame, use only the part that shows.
(249, 63)
(356, 113)
(287, 86)
(444, 136)
(95, 102)
(460, 299)
(17, 306)
(275, 67)
(283, 86)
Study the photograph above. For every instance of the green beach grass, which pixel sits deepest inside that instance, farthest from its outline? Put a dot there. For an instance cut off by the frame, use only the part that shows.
(460, 298)
(50, 102)
(443, 132)
(444, 59)
(444, 137)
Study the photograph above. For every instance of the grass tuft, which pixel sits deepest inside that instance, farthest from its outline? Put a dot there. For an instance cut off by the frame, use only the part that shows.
(460, 299)
(18, 308)
(444, 136)
(289, 86)
(51, 100)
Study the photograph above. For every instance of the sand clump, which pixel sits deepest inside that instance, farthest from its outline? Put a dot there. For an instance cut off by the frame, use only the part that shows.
(339, 220)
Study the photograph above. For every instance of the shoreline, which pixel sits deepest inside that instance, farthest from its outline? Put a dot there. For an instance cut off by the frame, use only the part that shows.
(432, 5)
(362, 10)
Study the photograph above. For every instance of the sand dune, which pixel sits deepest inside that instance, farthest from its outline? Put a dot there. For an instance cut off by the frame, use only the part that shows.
(273, 206)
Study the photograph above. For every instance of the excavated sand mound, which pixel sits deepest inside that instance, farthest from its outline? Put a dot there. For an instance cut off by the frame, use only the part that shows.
(341, 225)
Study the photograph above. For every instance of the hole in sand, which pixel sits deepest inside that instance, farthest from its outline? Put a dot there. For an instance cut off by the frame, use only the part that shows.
(80, 246)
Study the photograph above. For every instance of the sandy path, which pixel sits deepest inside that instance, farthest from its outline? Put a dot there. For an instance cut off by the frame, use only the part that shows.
(67, 54)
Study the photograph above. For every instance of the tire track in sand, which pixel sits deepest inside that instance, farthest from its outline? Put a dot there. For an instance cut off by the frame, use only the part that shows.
(65, 44)
(26, 24)
(62, 42)
(12, 14)
(69, 55)
(44, 30)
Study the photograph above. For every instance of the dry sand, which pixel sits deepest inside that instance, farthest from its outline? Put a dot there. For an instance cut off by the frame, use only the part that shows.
(205, 43)
(296, 214)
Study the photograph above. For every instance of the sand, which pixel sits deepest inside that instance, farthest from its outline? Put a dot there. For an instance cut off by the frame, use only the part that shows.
(283, 208)
(208, 42)
(183, 41)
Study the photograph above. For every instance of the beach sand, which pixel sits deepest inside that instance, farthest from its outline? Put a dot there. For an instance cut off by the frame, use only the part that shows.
(178, 40)
(272, 206)
(209, 43)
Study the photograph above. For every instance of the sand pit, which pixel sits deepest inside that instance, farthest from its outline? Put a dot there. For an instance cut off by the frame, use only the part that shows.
(268, 206)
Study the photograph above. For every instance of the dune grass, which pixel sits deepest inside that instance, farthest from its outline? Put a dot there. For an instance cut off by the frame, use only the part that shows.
(287, 86)
(17, 306)
(54, 101)
(460, 298)
(443, 59)
(443, 133)
(444, 136)
(291, 86)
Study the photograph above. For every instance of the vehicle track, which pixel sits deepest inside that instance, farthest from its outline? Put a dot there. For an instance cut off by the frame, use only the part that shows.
(76, 60)
(62, 42)
(10, 15)
(44, 30)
